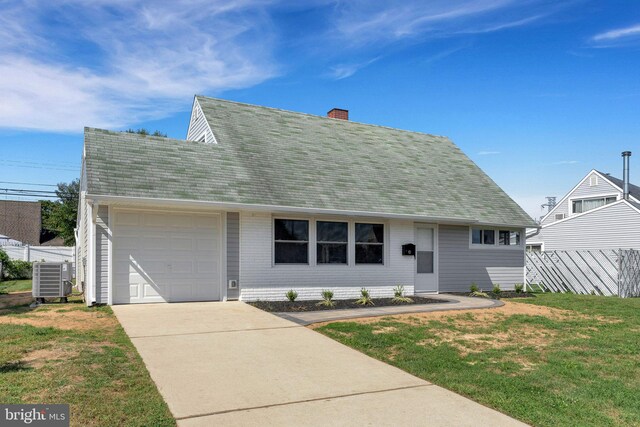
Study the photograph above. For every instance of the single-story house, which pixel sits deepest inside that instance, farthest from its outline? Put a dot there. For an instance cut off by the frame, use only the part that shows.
(257, 201)
(595, 214)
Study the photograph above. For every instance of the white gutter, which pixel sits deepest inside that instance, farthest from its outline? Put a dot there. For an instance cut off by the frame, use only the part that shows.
(149, 201)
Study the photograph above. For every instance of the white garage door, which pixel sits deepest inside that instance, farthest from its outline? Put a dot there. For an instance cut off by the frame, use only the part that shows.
(160, 257)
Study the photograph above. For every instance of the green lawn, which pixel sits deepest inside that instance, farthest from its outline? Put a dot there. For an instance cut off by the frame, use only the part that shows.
(68, 353)
(556, 359)
(7, 286)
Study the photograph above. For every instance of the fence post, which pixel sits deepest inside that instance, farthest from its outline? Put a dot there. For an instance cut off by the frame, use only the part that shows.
(620, 255)
(27, 253)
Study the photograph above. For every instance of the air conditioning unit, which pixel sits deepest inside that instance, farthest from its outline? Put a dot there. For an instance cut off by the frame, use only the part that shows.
(560, 216)
(52, 280)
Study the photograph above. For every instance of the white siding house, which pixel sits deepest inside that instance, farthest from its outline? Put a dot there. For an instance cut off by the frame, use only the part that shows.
(258, 201)
(593, 215)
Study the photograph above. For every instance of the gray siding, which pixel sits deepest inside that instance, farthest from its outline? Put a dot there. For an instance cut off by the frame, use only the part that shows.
(199, 125)
(584, 190)
(459, 265)
(102, 255)
(233, 252)
(614, 227)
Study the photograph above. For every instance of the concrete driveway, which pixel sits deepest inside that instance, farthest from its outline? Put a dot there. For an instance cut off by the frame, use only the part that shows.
(232, 364)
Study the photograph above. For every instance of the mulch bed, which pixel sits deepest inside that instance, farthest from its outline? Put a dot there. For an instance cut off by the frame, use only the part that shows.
(300, 306)
(502, 295)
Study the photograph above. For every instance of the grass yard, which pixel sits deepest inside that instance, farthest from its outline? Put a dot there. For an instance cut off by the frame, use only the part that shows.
(7, 286)
(68, 353)
(555, 359)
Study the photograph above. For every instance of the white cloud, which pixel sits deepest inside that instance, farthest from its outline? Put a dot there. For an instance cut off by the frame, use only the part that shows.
(66, 64)
(342, 71)
(487, 153)
(567, 162)
(366, 22)
(618, 33)
(113, 63)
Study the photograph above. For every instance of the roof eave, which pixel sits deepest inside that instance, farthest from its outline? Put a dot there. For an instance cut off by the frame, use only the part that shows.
(226, 206)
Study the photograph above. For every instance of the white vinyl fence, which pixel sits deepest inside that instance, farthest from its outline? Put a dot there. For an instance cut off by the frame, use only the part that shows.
(39, 253)
(599, 272)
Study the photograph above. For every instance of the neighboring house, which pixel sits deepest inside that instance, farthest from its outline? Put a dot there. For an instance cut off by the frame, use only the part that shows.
(594, 215)
(21, 221)
(21, 224)
(258, 201)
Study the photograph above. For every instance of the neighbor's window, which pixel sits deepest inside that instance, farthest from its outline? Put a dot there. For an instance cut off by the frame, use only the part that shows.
(509, 238)
(291, 241)
(584, 205)
(369, 243)
(332, 240)
(483, 237)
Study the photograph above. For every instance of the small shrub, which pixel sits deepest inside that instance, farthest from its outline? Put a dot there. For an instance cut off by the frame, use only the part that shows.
(496, 289)
(479, 294)
(519, 287)
(4, 261)
(399, 297)
(327, 299)
(17, 270)
(291, 295)
(365, 298)
(474, 287)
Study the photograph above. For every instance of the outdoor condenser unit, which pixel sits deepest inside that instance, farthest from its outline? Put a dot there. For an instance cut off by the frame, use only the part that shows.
(52, 280)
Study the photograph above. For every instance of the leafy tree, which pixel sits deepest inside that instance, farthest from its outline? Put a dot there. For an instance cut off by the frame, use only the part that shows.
(143, 131)
(60, 216)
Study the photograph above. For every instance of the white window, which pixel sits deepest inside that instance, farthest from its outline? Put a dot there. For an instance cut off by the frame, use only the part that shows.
(369, 243)
(481, 236)
(593, 180)
(584, 205)
(495, 238)
(332, 242)
(291, 241)
(508, 238)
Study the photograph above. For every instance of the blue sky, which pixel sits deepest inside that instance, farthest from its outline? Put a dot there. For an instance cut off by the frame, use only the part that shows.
(536, 92)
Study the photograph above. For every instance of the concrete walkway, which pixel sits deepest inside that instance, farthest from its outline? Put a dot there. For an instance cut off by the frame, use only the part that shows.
(232, 364)
(449, 302)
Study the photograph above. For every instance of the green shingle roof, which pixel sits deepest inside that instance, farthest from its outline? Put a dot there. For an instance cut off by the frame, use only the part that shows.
(266, 156)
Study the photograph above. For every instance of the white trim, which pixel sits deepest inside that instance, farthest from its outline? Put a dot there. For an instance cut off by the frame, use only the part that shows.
(110, 255)
(330, 265)
(436, 254)
(273, 241)
(90, 286)
(351, 240)
(496, 239)
(591, 211)
(590, 197)
(224, 285)
(284, 210)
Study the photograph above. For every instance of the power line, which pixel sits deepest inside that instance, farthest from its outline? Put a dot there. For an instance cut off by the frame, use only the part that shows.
(28, 183)
(34, 166)
(29, 195)
(19, 190)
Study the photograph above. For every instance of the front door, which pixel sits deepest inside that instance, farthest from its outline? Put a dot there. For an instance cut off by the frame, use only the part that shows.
(426, 258)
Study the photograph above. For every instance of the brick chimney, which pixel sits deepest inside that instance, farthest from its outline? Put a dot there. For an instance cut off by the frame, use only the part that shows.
(338, 113)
